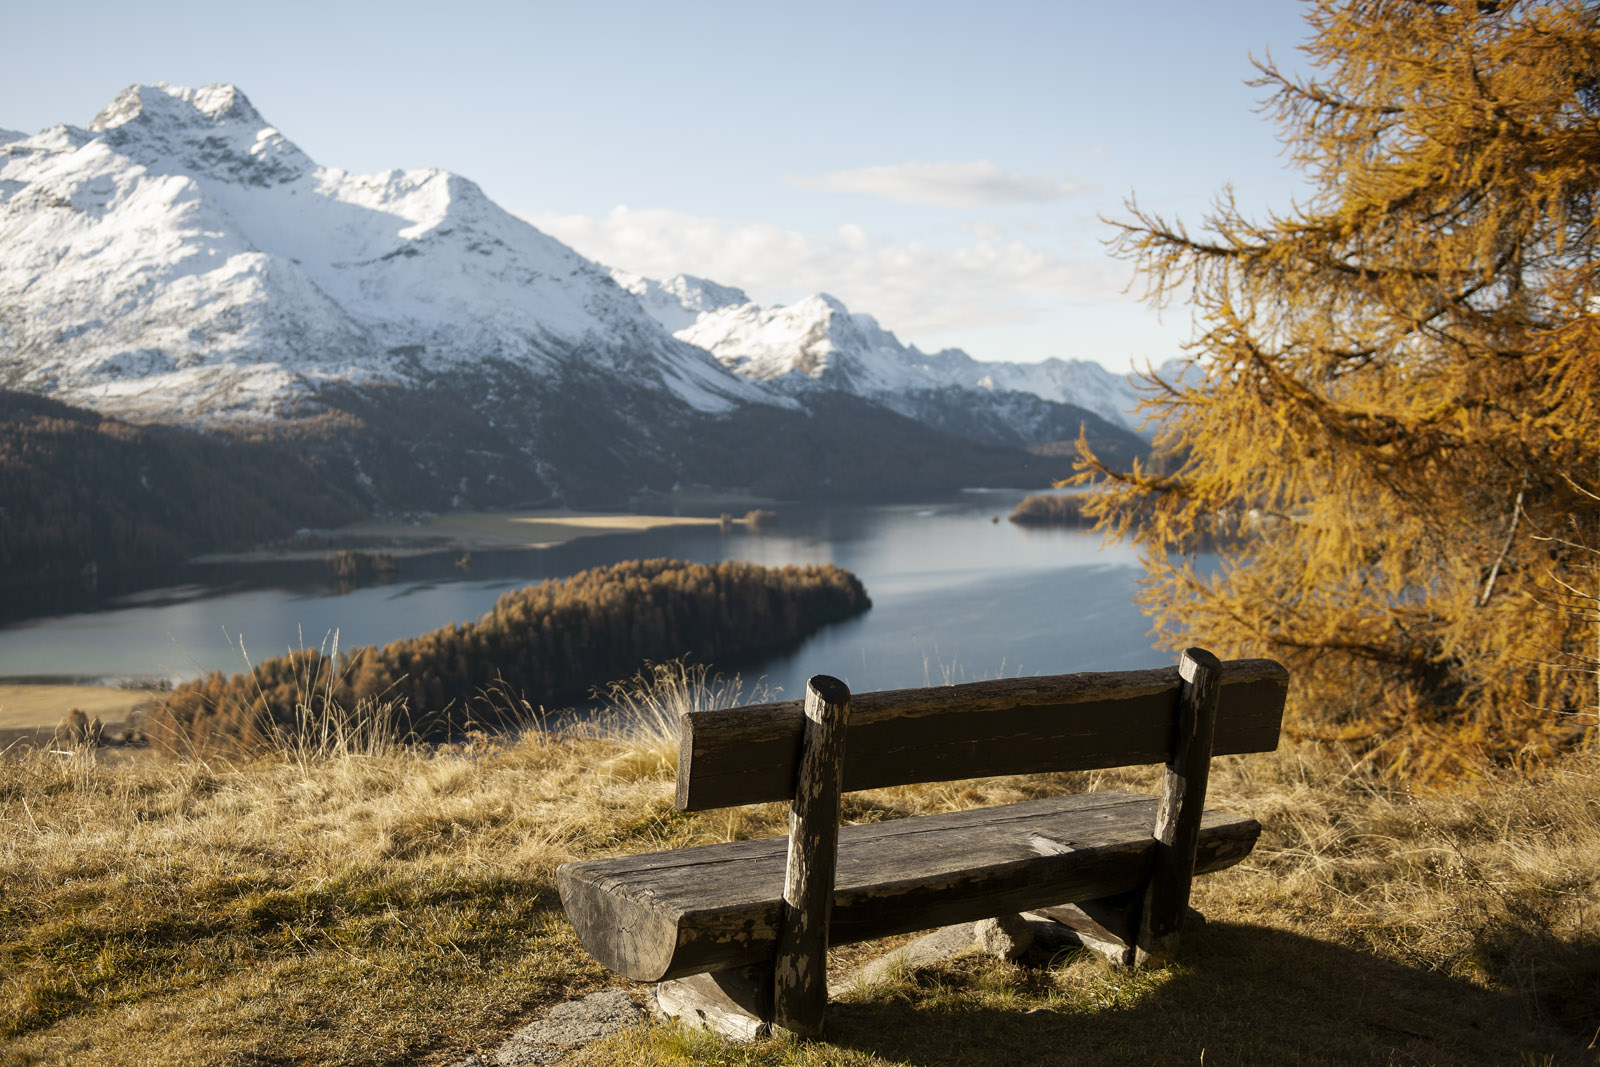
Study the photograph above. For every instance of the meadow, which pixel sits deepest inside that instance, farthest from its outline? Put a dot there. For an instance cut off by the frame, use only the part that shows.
(347, 899)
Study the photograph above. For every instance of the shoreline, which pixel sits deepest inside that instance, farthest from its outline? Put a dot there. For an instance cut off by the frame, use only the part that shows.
(29, 706)
(469, 531)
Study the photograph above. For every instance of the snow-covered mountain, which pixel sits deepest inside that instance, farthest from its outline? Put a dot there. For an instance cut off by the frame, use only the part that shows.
(180, 258)
(818, 343)
(678, 302)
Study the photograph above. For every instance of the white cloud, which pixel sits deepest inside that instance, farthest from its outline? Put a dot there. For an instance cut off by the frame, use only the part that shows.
(981, 278)
(944, 184)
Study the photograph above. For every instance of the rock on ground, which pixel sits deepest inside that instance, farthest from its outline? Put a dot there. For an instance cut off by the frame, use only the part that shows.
(567, 1027)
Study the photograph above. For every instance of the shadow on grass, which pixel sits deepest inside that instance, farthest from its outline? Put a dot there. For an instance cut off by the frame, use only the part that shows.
(1244, 994)
(1558, 980)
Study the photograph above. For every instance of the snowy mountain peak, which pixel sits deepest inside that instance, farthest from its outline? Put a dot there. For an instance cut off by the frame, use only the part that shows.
(208, 105)
(213, 130)
(183, 259)
(678, 301)
(703, 295)
(53, 139)
(7, 136)
(818, 342)
(816, 339)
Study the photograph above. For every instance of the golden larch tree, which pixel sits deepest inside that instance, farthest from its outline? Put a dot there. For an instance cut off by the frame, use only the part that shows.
(1387, 425)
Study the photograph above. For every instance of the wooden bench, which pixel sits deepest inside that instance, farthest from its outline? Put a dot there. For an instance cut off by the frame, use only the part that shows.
(738, 932)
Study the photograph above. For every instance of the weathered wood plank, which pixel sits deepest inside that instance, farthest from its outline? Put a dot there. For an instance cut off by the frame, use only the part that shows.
(800, 971)
(671, 914)
(613, 919)
(1008, 726)
(1183, 798)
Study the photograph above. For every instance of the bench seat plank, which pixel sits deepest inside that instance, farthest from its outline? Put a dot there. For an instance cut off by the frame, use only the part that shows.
(670, 914)
(1003, 726)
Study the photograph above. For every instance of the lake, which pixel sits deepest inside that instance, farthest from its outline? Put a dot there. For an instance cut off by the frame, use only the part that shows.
(956, 596)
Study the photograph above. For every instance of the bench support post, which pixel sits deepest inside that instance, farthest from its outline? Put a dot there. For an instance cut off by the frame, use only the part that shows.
(800, 978)
(1183, 798)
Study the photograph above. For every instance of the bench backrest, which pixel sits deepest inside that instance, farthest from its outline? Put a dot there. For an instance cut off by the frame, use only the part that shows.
(1063, 722)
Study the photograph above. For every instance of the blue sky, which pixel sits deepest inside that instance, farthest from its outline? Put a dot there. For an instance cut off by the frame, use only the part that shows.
(939, 165)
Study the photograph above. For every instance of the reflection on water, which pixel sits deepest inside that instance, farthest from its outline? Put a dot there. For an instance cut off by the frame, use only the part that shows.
(956, 596)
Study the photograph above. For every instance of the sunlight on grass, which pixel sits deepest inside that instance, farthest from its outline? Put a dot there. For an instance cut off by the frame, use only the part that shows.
(350, 903)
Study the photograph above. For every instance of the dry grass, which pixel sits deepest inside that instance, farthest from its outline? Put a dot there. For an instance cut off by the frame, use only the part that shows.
(46, 705)
(1371, 925)
(352, 910)
(399, 907)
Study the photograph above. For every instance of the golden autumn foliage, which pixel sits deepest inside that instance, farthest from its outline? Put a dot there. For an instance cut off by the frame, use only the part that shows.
(1391, 409)
(542, 645)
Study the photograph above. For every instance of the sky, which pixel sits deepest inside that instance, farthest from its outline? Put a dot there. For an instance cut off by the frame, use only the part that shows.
(942, 166)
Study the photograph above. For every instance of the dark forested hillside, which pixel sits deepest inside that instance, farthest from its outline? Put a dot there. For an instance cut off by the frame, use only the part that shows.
(546, 644)
(430, 449)
(1051, 509)
(80, 492)
(845, 446)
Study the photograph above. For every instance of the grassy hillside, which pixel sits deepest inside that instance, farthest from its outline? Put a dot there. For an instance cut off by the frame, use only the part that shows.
(364, 903)
(83, 493)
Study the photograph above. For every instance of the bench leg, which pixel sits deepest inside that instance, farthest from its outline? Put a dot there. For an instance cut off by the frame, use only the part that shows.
(790, 997)
(800, 970)
(1108, 927)
(1183, 800)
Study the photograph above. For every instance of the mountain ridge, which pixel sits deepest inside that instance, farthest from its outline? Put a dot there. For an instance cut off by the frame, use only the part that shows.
(818, 343)
(282, 274)
(812, 340)
(181, 261)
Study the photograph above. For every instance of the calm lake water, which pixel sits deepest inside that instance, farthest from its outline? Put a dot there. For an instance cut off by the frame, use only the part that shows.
(956, 596)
